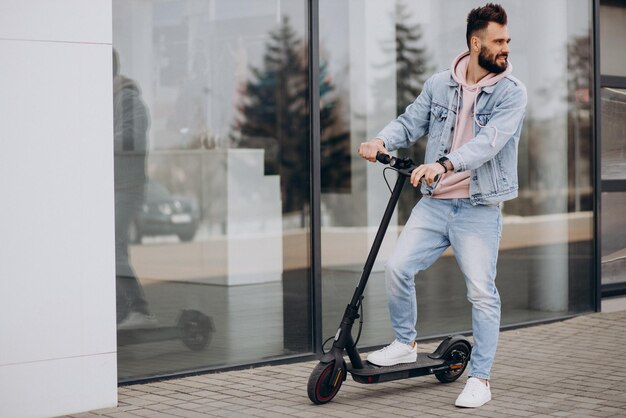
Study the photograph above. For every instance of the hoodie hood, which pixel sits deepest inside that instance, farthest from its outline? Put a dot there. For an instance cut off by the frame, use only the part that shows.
(120, 83)
(459, 73)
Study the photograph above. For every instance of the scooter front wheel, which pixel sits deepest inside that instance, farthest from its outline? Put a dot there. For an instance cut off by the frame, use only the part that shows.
(322, 388)
(197, 329)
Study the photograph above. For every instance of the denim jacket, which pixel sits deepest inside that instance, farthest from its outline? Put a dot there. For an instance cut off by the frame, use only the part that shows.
(491, 156)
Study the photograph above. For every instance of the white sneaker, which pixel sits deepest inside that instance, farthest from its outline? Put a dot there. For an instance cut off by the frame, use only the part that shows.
(475, 394)
(136, 320)
(394, 353)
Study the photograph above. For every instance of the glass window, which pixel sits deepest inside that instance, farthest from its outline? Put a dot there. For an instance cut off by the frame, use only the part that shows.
(612, 34)
(211, 183)
(613, 168)
(613, 134)
(613, 238)
(380, 54)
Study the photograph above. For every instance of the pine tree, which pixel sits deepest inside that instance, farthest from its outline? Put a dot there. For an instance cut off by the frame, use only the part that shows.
(412, 67)
(274, 114)
(412, 70)
(579, 119)
(334, 138)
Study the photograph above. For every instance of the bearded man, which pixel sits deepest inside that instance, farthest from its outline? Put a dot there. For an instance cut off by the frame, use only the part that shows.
(472, 114)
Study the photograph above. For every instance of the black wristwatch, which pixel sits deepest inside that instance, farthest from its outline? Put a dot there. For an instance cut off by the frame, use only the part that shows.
(442, 161)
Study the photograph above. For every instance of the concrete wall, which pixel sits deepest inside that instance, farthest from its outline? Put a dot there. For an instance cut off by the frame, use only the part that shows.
(57, 287)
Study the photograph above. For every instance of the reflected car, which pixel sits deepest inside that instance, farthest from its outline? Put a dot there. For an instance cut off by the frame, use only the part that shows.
(164, 213)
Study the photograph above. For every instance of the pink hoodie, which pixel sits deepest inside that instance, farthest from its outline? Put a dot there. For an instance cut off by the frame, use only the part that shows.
(456, 185)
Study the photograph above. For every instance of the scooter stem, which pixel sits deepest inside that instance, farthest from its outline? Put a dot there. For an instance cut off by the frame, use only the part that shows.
(378, 240)
(343, 338)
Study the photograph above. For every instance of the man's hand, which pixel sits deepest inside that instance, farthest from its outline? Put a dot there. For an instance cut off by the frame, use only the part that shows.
(369, 149)
(426, 171)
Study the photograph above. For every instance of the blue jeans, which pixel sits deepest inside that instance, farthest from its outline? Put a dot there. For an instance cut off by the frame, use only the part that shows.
(474, 233)
(130, 295)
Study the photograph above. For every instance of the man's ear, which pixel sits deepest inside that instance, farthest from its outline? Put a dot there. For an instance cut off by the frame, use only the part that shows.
(475, 43)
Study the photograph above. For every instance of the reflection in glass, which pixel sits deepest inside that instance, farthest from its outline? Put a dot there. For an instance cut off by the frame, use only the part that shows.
(131, 120)
(270, 117)
(544, 269)
(219, 241)
(612, 35)
(613, 238)
(613, 167)
(613, 134)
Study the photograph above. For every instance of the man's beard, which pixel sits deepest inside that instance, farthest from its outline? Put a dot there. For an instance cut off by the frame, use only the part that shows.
(490, 64)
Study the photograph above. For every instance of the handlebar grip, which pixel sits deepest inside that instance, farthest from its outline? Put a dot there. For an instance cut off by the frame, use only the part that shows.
(383, 158)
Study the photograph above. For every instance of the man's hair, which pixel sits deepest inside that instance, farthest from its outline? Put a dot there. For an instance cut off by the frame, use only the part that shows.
(479, 18)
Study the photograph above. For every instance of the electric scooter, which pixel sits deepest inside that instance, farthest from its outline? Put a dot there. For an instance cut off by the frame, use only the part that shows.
(447, 362)
(193, 328)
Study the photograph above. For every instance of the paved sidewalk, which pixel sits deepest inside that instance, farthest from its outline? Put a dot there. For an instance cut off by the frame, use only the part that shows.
(573, 368)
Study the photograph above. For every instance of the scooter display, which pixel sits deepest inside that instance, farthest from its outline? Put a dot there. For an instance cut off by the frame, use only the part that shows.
(447, 362)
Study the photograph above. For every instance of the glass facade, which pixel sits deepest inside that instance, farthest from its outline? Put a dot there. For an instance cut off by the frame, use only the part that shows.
(613, 108)
(212, 183)
(612, 35)
(613, 169)
(213, 162)
(612, 133)
(383, 52)
(613, 238)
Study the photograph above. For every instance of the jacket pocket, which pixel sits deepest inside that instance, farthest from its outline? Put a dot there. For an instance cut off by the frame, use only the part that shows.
(488, 178)
(481, 120)
(438, 117)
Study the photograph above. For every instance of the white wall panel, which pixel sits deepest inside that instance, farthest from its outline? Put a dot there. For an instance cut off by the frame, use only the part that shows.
(58, 20)
(57, 264)
(44, 389)
(56, 172)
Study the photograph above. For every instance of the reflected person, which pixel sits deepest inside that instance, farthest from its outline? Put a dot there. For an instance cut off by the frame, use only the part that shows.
(472, 114)
(131, 123)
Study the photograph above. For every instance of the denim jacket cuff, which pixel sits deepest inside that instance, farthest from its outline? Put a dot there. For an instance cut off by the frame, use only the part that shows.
(386, 142)
(457, 162)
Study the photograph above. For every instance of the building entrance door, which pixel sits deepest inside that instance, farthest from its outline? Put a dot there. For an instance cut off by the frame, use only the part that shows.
(613, 147)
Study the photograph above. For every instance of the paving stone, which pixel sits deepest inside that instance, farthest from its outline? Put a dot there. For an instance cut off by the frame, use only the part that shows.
(549, 370)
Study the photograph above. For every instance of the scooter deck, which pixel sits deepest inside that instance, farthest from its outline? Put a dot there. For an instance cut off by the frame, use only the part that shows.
(146, 335)
(371, 373)
(193, 328)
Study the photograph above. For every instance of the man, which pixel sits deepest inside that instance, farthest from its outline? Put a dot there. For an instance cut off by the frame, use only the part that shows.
(473, 116)
(130, 143)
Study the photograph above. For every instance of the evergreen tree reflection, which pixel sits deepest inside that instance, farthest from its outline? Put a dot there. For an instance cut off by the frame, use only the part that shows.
(274, 114)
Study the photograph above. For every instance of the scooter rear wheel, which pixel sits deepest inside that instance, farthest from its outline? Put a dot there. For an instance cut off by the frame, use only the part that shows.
(320, 387)
(196, 328)
(458, 355)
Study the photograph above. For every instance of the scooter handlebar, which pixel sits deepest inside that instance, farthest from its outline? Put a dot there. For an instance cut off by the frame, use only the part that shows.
(384, 158)
(403, 166)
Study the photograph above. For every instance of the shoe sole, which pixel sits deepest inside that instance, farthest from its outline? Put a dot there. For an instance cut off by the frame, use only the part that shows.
(471, 406)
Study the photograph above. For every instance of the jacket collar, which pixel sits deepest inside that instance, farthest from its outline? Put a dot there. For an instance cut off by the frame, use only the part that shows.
(487, 89)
